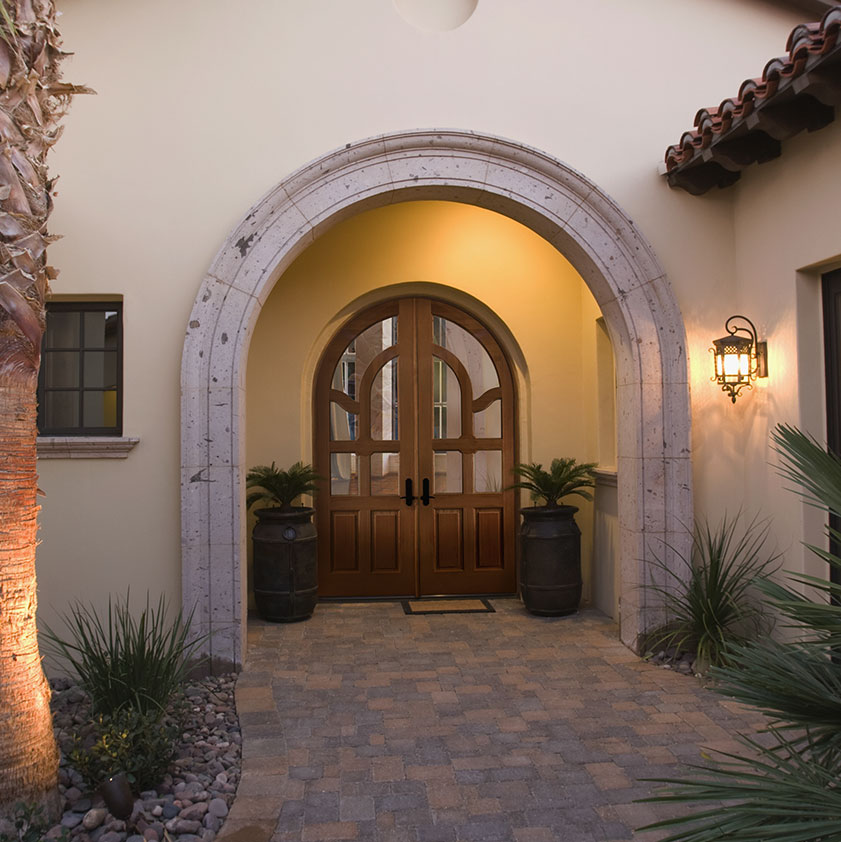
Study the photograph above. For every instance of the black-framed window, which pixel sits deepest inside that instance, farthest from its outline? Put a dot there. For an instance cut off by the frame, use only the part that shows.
(80, 387)
(831, 284)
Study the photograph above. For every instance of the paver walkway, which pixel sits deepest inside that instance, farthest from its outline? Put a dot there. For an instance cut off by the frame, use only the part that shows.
(366, 724)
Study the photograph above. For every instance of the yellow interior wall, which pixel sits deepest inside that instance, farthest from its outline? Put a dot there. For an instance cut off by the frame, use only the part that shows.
(479, 259)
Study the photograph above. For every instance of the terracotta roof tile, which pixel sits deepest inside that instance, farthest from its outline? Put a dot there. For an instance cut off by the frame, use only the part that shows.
(796, 91)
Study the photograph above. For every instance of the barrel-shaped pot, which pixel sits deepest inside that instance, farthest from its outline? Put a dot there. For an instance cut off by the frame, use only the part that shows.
(550, 560)
(285, 564)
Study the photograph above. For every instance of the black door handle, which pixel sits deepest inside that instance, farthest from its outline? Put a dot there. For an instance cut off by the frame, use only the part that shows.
(426, 497)
(408, 496)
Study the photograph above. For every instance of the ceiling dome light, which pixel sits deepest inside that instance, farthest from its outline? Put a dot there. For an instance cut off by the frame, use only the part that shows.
(435, 15)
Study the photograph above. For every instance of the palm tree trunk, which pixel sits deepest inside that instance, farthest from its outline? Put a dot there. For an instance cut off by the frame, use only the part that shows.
(32, 102)
(28, 753)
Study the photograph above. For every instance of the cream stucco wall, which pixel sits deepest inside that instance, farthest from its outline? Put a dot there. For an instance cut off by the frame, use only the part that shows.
(521, 287)
(202, 108)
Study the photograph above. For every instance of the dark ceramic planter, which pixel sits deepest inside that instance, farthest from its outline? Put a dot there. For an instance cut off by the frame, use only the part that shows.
(285, 564)
(550, 560)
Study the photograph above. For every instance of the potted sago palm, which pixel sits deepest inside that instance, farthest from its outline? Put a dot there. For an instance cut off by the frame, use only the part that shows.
(284, 542)
(550, 540)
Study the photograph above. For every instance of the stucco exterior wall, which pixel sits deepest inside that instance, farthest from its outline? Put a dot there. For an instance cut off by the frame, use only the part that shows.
(202, 109)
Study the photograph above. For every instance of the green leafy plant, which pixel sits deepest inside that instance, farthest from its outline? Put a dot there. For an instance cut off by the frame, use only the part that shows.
(784, 789)
(142, 745)
(30, 825)
(563, 478)
(711, 599)
(278, 487)
(127, 661)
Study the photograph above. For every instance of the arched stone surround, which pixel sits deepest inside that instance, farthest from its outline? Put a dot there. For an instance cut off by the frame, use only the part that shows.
(562, 206)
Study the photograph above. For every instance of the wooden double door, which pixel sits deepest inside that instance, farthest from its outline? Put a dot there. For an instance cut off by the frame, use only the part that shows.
(414, 435)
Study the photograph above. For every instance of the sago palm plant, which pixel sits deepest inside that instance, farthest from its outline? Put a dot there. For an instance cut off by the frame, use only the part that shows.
(563, 478)
(787, 791)
(278, 487)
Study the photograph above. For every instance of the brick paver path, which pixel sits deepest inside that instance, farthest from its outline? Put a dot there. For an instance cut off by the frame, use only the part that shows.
(366, 724)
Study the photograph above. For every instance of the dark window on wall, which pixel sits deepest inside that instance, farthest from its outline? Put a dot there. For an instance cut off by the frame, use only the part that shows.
(80, 387)
(832, 365)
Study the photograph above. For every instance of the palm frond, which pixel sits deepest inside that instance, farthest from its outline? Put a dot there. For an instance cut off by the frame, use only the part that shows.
(280, 487)
(564, 477)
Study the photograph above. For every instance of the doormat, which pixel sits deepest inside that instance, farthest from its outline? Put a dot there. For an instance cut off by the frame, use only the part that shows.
(447, 606)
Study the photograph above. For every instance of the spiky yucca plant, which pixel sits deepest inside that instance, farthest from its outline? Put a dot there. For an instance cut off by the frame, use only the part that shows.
(787, 791)
(711, 601)
(278, 487)
(563, 478)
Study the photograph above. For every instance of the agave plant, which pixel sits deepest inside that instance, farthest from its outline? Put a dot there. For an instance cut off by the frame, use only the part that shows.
(278, 487)
(784, 789)
(563, 478)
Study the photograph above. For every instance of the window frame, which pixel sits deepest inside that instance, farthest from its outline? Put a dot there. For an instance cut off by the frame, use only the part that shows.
(82, 431)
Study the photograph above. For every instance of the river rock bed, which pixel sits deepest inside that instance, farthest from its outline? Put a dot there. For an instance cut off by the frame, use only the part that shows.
(191, 802)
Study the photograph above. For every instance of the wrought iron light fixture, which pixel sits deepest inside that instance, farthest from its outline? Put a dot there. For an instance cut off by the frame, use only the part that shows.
(739, 360)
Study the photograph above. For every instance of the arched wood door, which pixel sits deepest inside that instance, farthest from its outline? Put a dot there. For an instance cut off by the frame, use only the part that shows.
(414, 431)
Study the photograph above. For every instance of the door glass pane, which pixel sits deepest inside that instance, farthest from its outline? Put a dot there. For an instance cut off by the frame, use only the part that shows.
(63, 329)
(487, 424)
(385, 473)
(447, 466)
(344, 473)
(61, 409)
(343, 424)
(487, 471)
(61, 369)
(446, 401)
(470, 352)
(384, 403)
(358, 355)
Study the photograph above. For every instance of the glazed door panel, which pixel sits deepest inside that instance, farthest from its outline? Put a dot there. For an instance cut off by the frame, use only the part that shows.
(414, 433)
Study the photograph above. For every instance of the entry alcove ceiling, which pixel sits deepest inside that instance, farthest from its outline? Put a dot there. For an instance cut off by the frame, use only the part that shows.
(796, 91)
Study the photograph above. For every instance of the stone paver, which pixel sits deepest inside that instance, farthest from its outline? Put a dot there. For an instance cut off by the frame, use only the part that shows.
(364, 723)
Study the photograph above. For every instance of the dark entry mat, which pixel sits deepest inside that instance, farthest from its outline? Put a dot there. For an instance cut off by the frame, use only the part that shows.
(473, 605)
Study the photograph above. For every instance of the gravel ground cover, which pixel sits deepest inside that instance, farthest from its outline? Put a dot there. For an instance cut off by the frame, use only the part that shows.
(191, 802)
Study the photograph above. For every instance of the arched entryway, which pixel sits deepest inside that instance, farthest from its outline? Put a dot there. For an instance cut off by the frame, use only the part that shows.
(570, 212)
(414, 421)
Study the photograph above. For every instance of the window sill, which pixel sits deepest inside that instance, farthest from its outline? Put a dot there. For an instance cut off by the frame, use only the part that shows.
(85, 447)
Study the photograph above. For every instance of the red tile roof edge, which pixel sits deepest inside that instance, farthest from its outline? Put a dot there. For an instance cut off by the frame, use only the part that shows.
(808, 45)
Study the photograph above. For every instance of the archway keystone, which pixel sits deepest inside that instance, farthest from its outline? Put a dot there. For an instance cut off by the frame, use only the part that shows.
(559, 204)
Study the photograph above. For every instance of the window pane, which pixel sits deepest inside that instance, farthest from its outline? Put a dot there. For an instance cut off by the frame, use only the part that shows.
(99, 408)
(344, 473)
(61, 409)
(61, 369)
(384, 403)
(343, 424)
(487, 471)
(487, 424)
(448, 476)
(63, 329)
(470, 352)
(385, 473)
(100, 369)
(446, 401)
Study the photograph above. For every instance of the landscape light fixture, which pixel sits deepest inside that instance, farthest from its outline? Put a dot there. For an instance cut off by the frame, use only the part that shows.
(739, 360)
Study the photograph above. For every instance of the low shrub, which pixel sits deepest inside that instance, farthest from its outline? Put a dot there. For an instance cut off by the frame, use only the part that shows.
(142, 745)
(139, 663)
(711, 603)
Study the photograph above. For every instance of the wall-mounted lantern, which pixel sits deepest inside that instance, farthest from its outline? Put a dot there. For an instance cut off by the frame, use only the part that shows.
(739, 360)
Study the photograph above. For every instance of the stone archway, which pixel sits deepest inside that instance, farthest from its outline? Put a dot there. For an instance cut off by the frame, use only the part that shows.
(559, 204)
